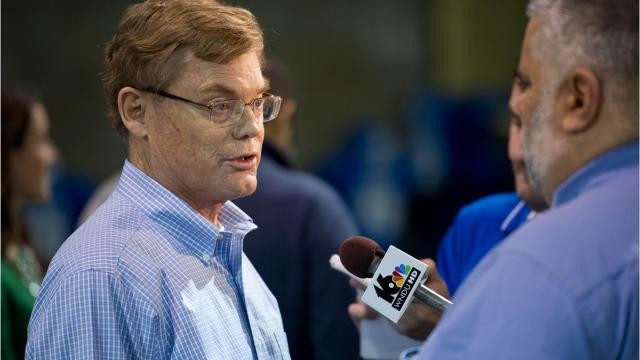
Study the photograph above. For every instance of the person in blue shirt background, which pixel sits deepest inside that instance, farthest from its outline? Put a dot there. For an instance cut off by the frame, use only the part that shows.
(158, 270)
(483, 224)
(565, 285)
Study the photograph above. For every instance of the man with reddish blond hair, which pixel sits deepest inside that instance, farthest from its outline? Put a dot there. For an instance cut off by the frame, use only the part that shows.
(158, 270)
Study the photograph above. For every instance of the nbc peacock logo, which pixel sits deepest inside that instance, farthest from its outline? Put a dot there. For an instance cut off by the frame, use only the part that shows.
(396, 287)
(399, 274)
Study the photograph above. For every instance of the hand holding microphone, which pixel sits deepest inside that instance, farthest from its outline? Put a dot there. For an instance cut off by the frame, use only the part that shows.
(362, 257)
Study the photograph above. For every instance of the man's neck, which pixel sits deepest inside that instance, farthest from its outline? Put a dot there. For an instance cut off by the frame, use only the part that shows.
(210, 210)
(211, 213)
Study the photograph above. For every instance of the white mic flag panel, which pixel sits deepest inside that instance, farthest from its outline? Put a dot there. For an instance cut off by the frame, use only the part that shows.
(391, 289)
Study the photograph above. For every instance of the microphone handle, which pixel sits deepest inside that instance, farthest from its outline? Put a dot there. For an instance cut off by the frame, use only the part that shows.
(432, 298)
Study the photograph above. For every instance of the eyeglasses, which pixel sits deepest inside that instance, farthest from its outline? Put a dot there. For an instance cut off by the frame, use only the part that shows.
(229, 111)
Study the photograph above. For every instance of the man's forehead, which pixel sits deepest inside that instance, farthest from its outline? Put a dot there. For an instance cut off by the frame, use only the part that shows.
(531, 33)
(243, 73)
(526, 56)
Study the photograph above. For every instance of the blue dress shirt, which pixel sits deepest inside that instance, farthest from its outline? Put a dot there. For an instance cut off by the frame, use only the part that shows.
(147, 277)
(302, 222)
(477, 229)
(563, 286)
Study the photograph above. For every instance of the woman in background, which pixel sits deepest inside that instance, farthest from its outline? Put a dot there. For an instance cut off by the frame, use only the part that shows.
(27, 156)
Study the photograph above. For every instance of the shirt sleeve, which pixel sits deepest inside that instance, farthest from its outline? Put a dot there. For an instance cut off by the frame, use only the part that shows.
(510, 307)
(90, 315)
(451, 253)
(445, 259)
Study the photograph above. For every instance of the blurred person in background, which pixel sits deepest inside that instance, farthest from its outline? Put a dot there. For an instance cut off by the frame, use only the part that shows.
(301, 223)
(158, 270)
(564, 286)
(27, 156)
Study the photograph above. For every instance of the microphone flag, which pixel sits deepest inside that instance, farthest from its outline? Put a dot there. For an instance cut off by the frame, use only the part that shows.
(396, 279)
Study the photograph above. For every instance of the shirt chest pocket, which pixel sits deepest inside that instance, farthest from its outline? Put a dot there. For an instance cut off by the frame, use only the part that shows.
(269, 336)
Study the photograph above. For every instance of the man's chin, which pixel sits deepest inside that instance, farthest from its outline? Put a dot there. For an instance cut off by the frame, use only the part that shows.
(245, 189)
(246, 193)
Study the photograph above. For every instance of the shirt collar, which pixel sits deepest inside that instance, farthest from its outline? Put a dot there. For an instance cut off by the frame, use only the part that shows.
(512, 215)
(519, 214)
(596, 172)
(176, 216)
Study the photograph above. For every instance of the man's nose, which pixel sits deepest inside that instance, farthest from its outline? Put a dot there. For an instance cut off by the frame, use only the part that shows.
(249, 125)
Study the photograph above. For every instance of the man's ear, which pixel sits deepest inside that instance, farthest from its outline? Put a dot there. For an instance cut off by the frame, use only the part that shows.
(132, 108)
(581, 100)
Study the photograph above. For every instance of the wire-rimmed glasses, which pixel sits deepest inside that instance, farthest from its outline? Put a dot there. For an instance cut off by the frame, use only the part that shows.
(229, 111)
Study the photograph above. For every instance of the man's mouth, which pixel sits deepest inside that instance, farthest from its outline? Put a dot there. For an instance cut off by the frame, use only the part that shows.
(244, 162)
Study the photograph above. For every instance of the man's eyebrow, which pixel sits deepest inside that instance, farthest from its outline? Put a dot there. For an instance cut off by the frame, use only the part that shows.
(266, 87)
(219, 89)
(230, 92)
(516, 70)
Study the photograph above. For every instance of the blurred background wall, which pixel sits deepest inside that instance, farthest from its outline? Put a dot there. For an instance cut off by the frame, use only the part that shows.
(402, 105)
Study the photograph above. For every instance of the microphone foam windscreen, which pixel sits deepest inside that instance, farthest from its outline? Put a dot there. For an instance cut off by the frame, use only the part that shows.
(357, 253)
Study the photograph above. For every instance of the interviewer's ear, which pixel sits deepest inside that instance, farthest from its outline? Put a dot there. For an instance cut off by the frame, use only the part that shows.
(132, 106)
(582, 100)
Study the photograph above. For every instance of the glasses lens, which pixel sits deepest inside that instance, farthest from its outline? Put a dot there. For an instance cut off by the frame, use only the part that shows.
(223, 110)
(271, 108)
(266, 108)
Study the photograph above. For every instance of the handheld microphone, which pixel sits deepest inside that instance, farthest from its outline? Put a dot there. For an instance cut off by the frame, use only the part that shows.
(364, 258)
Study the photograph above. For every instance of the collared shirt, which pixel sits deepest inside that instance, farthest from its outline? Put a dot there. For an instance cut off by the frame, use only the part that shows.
(313, 297)
(147, 277)
(477, 229)
(563, 286)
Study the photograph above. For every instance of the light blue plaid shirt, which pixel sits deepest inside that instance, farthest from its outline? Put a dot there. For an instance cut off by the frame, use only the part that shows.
(147, 277)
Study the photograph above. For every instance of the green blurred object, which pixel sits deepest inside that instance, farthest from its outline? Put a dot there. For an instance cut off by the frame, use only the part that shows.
(473, 43)
(17, 304)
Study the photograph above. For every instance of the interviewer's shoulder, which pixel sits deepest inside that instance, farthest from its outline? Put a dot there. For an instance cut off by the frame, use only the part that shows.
(594, 235)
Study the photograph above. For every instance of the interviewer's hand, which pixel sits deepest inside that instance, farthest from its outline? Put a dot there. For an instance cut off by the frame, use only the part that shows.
(419, 319)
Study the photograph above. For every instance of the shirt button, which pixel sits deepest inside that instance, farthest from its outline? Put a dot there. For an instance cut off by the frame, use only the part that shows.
(205, 257)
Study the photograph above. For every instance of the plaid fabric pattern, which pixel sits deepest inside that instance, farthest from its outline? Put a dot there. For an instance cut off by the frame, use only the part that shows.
(147, 277)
